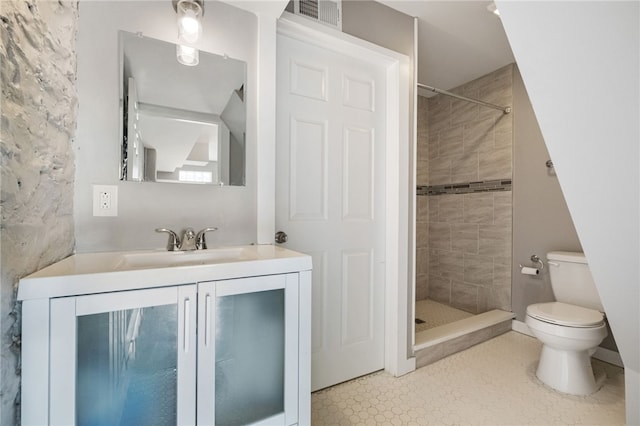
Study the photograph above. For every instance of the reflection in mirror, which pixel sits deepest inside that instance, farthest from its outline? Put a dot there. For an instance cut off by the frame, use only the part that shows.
(180, 123)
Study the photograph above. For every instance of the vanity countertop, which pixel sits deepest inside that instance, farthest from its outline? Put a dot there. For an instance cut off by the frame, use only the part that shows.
(90, 273)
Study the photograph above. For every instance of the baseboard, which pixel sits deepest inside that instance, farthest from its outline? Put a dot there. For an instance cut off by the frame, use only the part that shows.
(607, 355)
(603, 354)
(521, 328)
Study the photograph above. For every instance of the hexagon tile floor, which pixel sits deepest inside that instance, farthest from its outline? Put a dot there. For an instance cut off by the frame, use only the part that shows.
(492, 383)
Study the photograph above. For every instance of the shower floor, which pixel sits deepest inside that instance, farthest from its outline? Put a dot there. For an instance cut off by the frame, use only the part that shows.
(435, 314)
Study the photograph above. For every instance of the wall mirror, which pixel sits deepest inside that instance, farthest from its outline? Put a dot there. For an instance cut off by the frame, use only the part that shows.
(181, 124)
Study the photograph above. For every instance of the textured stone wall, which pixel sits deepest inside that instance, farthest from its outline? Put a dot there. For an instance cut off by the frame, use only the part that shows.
(39, 104)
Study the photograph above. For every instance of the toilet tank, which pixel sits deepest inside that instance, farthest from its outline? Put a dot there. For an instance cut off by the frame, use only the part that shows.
(571, 280)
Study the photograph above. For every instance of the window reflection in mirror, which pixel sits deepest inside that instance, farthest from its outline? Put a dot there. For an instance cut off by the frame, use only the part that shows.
(182, 124)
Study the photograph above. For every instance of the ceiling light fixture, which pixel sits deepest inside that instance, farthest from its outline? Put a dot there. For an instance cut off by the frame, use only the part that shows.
(493, 9)
(189, 14)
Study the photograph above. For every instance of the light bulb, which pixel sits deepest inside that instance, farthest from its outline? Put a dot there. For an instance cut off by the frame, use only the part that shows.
(189, 23)
(187, 55)
(189, 27)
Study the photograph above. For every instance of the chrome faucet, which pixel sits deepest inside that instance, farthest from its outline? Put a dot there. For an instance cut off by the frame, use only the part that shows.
(201, 243)
(174, 240)
(189, 241)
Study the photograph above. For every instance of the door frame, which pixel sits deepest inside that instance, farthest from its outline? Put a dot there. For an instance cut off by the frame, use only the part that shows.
(398, 342)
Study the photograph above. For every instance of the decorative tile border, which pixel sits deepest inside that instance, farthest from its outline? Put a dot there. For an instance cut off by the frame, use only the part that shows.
(466, 187)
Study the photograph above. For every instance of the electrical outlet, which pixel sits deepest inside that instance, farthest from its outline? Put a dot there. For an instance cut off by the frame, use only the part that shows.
(105, 200)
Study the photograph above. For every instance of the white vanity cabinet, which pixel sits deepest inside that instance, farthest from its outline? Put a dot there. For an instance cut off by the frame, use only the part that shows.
(248, 351)
(229, 350)
(127, 357)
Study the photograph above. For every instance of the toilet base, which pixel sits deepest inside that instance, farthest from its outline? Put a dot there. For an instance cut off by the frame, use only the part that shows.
(568, 371)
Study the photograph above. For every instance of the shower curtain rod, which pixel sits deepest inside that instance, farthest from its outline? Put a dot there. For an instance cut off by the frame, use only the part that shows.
(505, 110)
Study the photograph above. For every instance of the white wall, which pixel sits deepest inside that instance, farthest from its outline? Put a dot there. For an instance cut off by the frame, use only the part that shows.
(146, 206)
(580, 65)
(541, 219)
(267, 12)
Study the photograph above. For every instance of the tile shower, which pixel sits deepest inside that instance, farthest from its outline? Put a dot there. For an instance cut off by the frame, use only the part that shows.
(464, 196)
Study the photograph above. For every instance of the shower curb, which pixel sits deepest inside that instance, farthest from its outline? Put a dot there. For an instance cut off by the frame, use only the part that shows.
(439, 342)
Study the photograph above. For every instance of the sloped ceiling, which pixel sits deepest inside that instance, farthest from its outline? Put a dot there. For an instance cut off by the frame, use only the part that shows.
(458, 41)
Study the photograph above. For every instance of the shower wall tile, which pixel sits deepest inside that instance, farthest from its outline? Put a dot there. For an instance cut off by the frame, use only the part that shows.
(502, 271)
(422, 286)
(495, 164)
(422, 156)
(439, 113)
(422, 209)
(422, 260)
(434, 204)
(439, 289)
(478, 269)
(422, 174)
(450, 208)
(433, 145)
(502, 207)
(464, 296)
(464, 240)
(439, 236)
(499, 298)
(463, 111)
(471, 89)
(497, 87)
(479, 136)
(464, 237)
(450, 141)
(449, 265)
(464, 168)
(422, 235)
(503, 132)
(422, 203)
(484, 294)
(494, 240)
(499, 94)
(439, 170)
(478, 208)
(422, 124)
(434, 259)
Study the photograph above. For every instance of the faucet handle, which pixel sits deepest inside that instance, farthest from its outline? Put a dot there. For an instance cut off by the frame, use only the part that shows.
(201, 242)
(174, 240)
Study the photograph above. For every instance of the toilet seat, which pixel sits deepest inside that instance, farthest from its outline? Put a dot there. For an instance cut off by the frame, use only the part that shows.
(566, 315)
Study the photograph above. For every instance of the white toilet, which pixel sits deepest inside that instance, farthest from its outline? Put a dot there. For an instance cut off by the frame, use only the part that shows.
(569, 329)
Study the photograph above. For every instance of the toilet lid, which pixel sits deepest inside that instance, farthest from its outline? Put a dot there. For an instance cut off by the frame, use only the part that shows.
(565, 314)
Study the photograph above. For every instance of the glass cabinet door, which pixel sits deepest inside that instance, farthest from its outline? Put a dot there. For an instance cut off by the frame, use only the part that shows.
(131, 359)
(247, 343)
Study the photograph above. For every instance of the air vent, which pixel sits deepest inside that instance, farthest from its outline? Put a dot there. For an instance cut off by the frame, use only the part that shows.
(328, 12)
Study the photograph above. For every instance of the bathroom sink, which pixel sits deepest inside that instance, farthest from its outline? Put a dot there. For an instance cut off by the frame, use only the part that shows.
(89, 273)
(169, 259)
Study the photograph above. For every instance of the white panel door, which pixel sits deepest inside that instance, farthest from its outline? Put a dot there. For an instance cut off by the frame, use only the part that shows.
(330, 199)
